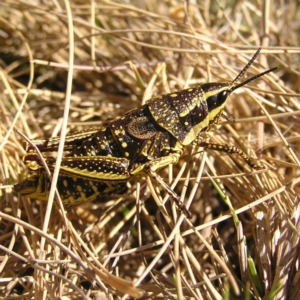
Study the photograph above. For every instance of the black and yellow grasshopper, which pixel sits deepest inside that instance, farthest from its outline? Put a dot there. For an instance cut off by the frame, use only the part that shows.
(142, 141)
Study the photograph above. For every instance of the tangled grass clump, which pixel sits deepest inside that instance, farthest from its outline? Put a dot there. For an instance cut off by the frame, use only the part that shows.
(70, 66)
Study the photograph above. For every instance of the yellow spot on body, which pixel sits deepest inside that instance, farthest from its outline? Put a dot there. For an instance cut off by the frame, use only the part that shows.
(186, 123)
(174, 95)
(124, 145)
(65, 183)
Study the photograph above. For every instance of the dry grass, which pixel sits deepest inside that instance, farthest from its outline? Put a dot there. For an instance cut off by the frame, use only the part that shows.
(123, 55)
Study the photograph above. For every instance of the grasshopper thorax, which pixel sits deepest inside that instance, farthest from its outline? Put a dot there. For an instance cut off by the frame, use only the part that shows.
(186, 113)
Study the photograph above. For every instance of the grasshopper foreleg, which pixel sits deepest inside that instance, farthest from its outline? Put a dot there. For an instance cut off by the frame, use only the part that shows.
(150, 169)
(231, 150)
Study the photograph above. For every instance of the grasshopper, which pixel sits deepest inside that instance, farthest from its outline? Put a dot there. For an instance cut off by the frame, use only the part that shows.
(100, 161)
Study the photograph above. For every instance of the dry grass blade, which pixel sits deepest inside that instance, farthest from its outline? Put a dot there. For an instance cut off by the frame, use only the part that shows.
(138, 243)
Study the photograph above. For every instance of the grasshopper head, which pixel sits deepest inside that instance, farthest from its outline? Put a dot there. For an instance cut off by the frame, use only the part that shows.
(216, 94)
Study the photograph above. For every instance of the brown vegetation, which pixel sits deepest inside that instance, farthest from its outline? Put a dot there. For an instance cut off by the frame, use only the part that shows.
(68, 66)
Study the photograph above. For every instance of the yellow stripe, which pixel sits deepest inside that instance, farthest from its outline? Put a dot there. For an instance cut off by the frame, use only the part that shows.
(94, 175)
(192, 134)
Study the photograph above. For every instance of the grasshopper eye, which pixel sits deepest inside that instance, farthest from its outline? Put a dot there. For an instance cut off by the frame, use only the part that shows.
(216, 101)
(222, 96)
